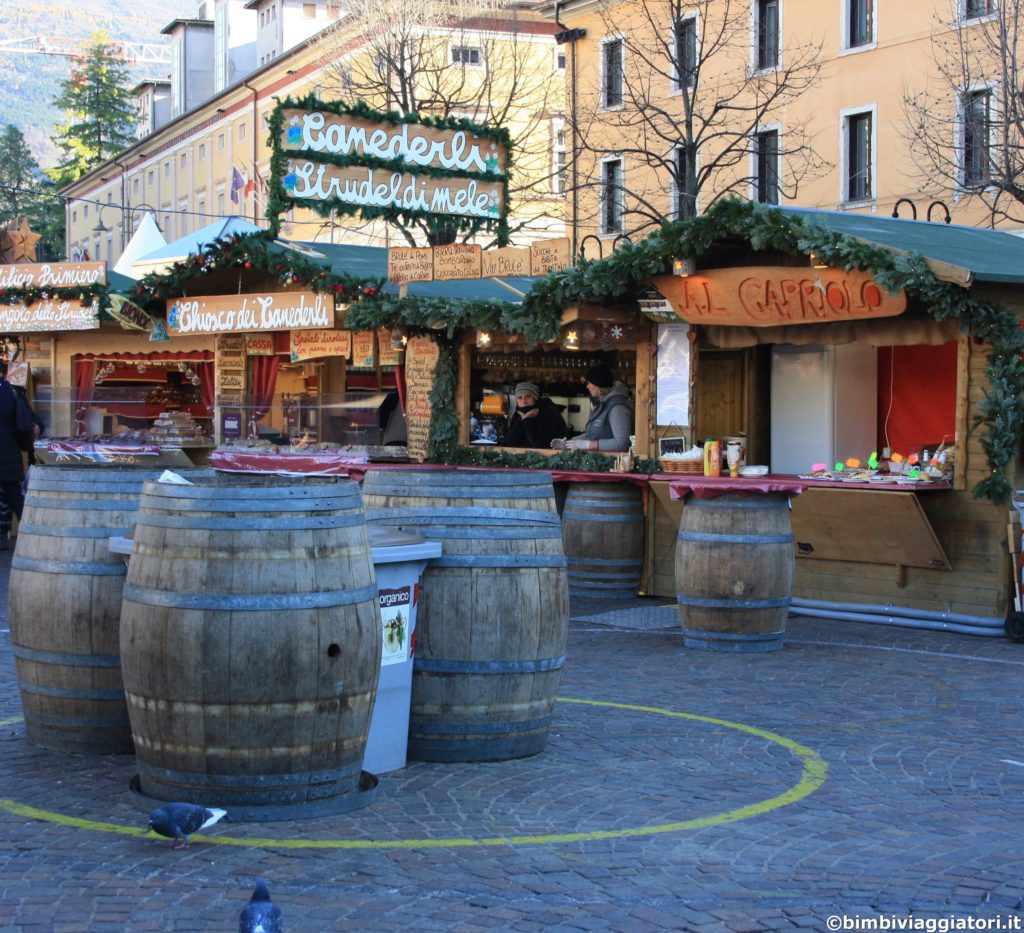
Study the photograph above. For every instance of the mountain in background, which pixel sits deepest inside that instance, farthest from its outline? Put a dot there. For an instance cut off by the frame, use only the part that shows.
(30, 82)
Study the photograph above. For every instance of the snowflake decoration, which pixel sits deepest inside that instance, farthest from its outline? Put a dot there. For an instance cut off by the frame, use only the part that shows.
(617, 332)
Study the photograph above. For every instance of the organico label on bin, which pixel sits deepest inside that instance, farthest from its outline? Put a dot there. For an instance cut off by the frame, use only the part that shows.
(395, 605)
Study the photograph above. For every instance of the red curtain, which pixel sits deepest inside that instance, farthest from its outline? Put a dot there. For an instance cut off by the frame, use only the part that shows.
(84, 377)
(207, 373)
(264, 381)
(916, 397)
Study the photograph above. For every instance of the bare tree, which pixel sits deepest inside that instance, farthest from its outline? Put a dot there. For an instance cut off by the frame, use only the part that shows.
(470, 59)
(965, 127)
(694, 104)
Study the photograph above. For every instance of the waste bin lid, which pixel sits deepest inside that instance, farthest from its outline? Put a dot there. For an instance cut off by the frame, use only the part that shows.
(384, 536)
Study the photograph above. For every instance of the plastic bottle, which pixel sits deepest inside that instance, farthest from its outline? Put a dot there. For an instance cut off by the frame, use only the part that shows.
(712, 457)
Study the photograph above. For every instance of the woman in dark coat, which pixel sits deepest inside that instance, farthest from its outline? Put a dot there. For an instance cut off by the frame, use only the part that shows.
(12, 443)
(537, 420)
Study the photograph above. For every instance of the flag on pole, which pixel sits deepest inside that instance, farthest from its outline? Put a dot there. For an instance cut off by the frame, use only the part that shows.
(237, 184)
(248, 188)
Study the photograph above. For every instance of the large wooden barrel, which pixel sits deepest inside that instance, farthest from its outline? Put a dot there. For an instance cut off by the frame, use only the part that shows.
(603, 536)
(734, 571)
(65, 605)
(492, 622)
(251, 643)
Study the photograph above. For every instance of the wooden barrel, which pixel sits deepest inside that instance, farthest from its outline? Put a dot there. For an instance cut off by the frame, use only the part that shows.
(65, 605)
(493, 617)
(251, 643)
(603, 536)
(734, 571)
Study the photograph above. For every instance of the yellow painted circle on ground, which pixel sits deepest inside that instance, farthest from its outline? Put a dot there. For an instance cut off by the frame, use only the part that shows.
(813, 774)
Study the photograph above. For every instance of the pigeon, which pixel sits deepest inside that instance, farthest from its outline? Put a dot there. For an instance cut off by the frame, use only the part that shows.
(178, 821)
(261, 914)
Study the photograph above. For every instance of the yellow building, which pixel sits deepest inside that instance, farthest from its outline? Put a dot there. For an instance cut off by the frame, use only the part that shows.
(211, 159)
(852, 105)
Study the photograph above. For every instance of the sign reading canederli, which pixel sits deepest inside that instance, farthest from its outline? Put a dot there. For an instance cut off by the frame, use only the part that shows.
(224, 314)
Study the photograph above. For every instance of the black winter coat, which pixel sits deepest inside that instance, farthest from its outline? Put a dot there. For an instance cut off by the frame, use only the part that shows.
(12, 469)
(537, 431)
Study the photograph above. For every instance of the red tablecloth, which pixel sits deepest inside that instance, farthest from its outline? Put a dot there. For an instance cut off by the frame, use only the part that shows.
(708, 487)
(313, 464)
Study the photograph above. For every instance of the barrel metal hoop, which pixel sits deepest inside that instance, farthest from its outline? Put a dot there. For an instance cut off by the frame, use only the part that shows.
(66, 658)
(573, 515)
(85, 505)
(71, 694)
(77, 723)
(459, 516)
(64, 531)
(304, 779)
(499, 561)
(266, 504)
(489, 533)
(443, 666)
(399, 482)
(188, 520)
(705, 602)
(248, 602)
(579, 562)
(714, 538)
(88, 568)
(419, 727)
(297, 493)
(705, 635)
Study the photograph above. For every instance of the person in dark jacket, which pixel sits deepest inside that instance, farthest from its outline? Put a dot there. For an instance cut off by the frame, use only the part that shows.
(611, 415)
(12, 443)
(536, 422)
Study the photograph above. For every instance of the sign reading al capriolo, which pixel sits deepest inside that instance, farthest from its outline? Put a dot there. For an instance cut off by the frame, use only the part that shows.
(368, 163)
(236, 314)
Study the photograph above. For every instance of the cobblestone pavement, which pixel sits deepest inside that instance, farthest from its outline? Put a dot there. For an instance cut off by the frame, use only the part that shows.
(862, 771)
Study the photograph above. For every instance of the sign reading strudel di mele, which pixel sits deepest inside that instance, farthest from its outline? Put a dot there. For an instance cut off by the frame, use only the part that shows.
(238, 314)
(390, 167)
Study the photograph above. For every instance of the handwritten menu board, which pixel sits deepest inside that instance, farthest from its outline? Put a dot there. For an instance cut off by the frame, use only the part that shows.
(362, 350)
(420, 360)
(387, 354)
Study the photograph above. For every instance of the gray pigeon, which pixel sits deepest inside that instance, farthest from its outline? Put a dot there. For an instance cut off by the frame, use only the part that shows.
(261, 914)
(178, 821)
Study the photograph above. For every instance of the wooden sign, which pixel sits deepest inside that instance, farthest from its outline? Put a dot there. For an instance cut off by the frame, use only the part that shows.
(231, 380)
(231, 342)
(389, 355)
(421, 355)
(48, 315)
(410, 264)
(311, 344)
(53, 275)
(362, 350)
(507, 261)
(765, 296)
(381, 189)
(456, 261)
(259, 345)
(549, 256)
(413, 143)
(218, 314)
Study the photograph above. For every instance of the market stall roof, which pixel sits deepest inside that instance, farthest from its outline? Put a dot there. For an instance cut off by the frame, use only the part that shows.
(955, 253)
(191, 244)
(146, 239)
(371, 262)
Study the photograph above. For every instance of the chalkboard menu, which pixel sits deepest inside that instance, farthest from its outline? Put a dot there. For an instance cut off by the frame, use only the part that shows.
(420, 361)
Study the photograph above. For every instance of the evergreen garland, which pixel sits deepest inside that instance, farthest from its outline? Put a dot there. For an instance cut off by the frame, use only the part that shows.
(1001, 411)
(279, 202)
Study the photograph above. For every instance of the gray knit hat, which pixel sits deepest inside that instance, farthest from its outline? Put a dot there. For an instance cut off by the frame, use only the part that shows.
(528, 387)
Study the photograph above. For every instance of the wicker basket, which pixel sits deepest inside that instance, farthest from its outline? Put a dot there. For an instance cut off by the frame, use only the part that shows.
(681, 466)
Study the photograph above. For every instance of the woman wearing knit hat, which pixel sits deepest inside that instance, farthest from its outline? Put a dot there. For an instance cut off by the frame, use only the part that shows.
(536, 422)
(611, 416)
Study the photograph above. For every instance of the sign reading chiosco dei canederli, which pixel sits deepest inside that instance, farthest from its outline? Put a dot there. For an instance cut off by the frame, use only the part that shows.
(236, 314)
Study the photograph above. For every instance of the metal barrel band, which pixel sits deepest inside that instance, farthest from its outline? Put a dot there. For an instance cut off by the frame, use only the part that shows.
(704, 602)
(490, 533)
(65, 531)
(88, 568)
(450, 479)
(710, 537)
(69, 693)
(83, 505)
(260, 602)
(47, 720)
(456, 515)
(509, 561)
(478, 728)
(443, 666)
(573, 515)
(263, 504)
(269, 523)
(302, 490)
(746, 503)
(576, 563)
(303, 779)
(65, 658)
